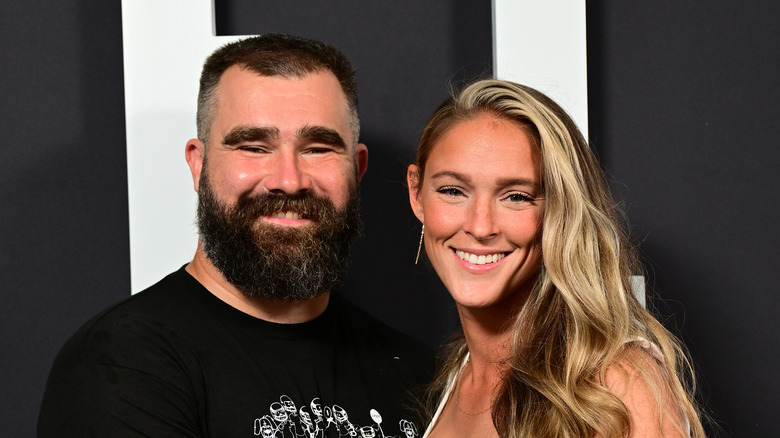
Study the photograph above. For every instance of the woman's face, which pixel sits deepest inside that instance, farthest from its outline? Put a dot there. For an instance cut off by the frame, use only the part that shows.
(481, 203)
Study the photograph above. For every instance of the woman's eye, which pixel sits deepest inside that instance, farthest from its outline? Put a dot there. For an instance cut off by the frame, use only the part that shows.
(518, 197)
(450, 191)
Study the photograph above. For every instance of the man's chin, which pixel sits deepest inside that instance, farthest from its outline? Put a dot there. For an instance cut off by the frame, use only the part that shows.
(266, 255)
(283, 298)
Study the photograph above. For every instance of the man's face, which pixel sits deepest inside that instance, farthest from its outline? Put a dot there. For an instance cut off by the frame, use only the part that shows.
(278, 203)
(273, 134)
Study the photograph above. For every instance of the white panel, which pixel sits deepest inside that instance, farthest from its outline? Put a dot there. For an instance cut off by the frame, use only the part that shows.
(638, 288)
(165, 44)
(543, 44)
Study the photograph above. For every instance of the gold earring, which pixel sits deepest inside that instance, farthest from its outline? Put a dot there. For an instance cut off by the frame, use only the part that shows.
(419, 247)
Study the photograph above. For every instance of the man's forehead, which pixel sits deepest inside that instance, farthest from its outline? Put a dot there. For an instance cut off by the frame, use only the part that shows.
(315, 99)
(318, 82)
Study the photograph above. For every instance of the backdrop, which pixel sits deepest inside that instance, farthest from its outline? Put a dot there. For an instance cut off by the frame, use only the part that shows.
(681, 100)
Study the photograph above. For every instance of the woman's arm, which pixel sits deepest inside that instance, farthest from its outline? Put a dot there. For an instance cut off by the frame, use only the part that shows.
(641, 383)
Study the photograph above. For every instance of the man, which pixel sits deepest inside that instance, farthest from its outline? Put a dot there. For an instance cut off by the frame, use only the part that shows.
(248, 339)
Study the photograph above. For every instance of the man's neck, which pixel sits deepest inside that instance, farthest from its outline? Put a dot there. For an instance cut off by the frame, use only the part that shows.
(272, 310)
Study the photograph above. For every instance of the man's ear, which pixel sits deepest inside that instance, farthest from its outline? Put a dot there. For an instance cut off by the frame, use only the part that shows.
(413, 184)
(361, 160)
(194, 152)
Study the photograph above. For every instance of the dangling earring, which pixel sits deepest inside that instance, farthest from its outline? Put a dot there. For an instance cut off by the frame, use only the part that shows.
(419, 247)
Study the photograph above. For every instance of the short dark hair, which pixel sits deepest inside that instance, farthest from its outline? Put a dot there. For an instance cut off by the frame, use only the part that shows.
(275, 55)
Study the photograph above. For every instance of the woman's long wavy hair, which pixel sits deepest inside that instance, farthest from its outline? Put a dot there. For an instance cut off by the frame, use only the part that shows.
(581, 315)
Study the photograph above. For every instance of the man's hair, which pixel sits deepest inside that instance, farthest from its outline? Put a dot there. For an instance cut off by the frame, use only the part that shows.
(286, 56)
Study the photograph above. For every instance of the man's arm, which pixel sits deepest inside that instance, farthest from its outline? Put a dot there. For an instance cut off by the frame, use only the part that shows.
(114, 383)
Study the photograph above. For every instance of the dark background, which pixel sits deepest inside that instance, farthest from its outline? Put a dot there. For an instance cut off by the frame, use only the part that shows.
(682, 98)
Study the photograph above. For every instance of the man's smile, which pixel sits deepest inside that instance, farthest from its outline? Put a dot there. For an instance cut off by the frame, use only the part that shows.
(288, 215)
(288, 218)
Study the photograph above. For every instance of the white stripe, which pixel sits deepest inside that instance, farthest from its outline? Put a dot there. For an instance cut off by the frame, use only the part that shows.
(543, 44)
(165, 43)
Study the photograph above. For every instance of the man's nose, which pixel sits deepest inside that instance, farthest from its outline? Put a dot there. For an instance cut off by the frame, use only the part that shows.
(287, 175)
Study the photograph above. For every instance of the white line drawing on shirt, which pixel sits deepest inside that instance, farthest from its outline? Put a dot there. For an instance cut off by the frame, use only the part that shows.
(265, 427)
(378, 419)
(408, 428)
(285, 420)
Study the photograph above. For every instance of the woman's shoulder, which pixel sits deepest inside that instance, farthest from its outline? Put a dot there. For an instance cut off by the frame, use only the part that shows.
(640, 379)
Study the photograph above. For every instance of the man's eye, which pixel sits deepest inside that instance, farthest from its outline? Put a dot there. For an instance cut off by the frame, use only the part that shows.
(251, 148)
(319, 150)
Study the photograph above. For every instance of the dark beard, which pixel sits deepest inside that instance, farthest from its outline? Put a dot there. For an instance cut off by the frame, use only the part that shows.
(271, 261)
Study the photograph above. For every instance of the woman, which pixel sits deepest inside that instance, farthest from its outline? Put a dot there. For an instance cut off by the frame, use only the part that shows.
(522, 230)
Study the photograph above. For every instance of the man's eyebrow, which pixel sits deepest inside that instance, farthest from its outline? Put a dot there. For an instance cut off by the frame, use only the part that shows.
(321, 134)
(242, 134)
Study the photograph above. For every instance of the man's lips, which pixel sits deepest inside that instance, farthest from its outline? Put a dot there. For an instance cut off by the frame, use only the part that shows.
(288, 215)
(287, 218)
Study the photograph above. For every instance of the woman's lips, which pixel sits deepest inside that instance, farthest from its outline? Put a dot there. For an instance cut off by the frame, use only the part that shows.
(479, 259)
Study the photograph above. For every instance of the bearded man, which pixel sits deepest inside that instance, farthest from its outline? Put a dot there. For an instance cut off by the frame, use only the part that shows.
(251, 326)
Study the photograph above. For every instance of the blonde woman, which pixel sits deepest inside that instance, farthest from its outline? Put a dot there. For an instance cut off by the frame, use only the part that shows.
(521, 228)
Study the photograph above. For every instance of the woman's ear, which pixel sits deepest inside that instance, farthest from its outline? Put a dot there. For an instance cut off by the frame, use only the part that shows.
(413, 183)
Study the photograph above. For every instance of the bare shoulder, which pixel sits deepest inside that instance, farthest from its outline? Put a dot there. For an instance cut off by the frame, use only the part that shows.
(640, 380)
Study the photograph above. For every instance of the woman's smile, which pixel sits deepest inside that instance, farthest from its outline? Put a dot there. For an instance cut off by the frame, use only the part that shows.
(479, 259)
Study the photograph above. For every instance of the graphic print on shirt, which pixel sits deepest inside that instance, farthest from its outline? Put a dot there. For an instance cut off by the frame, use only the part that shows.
(285, 420)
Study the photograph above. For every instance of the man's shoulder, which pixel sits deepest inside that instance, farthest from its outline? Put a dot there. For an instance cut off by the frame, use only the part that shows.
(134, 323)
(130, 350)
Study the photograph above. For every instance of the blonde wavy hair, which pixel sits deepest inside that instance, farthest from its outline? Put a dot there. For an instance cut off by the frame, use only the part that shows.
(581, 317)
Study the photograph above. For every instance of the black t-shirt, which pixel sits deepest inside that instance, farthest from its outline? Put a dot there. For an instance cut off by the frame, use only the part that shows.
(175, 360)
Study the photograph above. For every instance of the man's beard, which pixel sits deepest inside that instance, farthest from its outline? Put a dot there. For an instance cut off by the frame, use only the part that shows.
(271, 261)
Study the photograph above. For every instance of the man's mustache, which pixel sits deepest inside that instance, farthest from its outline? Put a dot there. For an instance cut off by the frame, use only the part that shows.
(306, 205)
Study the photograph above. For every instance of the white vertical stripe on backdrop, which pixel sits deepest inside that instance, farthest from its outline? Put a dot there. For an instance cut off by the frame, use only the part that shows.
(543, 44)
(165, 43)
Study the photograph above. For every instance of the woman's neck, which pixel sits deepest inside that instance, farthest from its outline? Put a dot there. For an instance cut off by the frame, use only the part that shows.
(489, 340)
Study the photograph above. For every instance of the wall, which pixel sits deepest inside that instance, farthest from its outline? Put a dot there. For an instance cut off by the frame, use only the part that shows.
(682, 99)
(63, 203)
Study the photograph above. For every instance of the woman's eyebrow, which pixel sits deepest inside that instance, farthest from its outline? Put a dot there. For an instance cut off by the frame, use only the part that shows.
(518, 182)
(503, 182)
(451, 174)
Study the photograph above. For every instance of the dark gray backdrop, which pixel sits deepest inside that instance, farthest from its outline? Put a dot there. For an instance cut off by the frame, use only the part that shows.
(682, 100)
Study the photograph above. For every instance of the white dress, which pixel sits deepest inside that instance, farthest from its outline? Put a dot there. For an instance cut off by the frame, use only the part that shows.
(446, 396)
